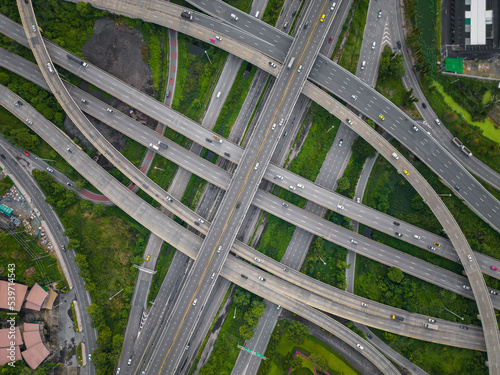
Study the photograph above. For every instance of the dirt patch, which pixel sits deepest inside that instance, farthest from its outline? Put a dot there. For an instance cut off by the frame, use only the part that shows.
(29, 272)
(116, 49)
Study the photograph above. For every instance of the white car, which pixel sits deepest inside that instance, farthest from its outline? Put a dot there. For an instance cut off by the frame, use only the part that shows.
(280, 177)
(340, 207)
(219, 249)
(257, 260)
(349, 122)
(194, 302)
(300, 186)
(292, 187)
(469, 257)
(373, 45)
(416, 236)
(355, 97)
(256, 166)
(273, 127)
(359, 346)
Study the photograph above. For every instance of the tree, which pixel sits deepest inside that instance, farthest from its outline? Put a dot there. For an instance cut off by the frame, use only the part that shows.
(246, 332)
(343, 184)
(395, 275)
(241, 297)
(296, 363)
(318, 361)
(361, 150)
(297, 331)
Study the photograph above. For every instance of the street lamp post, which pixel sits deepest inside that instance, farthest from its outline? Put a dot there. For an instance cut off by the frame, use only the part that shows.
(324, 263)
(208, 57)
(160, 169)
(110, 298)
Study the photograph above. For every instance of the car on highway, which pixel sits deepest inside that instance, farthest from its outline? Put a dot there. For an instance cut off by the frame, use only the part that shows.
(281, 122)
(358, 200)
(169, 199)
(219, 249)
(493, 292)
(364, 304)
(63, 247)
(349, 121)
(26, 153)
(33, 27)
(213, 276)
(187, 347)
(90, 357)
(284, 204)
(129, 362)
(398, 44)
(493, 268)
(457, 188)
(340, 142)
(218, 38)
(369, 335)
(300, 186)
(381, 117)
(261, 278)
(405, 172)
(110, 110)
(278, 307)
(399, 234)
(285, 269)
(278, 176)
(272, 64)
(69, 184)
(208, 140)
(432, 248)
(322, 18)
(415, 128)
(273, 127)
(256, 166)
(29, 122)
(469, 257)
(373, 45)
(437, 244)
(424, 106)
(396, 223)
(432, 320)
(359, 346)
(466, 287)
(354, 242)
(333, 6)
(300, 69)
(50, 170)
(195, 301)
(355, 97)
(437, 121)
(201, 220)
(340, 207)
(257, 260)
(306, 25)
(227, 154)
(117, 371)
(330, 40)
(464, 327)
(416, 236)
(69, 150)
(379, 14)
(292, 187)
(148, 257)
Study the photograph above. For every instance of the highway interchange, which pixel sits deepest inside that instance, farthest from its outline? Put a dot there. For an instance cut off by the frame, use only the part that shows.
(240, 154)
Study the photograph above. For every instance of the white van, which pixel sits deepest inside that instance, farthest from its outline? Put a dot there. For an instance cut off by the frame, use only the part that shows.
(363, 65)
(218, 94)
(257, 15)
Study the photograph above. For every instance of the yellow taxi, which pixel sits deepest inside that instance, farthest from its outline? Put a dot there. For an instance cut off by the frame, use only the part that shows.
(437, 244)
(381, 117)
(322, 18)
(405, 172)
(147, 258)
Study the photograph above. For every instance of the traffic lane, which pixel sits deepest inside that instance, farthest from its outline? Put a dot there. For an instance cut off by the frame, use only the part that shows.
(366, 247)
(484, 204)
(377, 315)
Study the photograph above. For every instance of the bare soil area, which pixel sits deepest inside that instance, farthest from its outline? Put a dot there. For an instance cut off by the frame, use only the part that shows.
(116, 49)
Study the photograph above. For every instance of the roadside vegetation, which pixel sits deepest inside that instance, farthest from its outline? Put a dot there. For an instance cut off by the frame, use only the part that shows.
(246, 309)
(243, 5)
(196, 76)
(292, 336)
(33, 264)
(390, 84)
(5, 184)
(162, 265)
(352, 47)
(273, 11)
(107, 242)
(477, 99)
(235, 99)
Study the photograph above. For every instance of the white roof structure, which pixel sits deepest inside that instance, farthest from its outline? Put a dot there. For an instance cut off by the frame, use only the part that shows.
(479, 17)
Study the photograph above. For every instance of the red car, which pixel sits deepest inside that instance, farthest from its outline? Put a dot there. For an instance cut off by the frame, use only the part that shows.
(330, 40)
(493, 268)
(26, 153)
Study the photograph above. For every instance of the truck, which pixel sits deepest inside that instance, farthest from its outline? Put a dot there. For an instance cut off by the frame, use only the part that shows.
(397, 317)
(458, 142)
(77, 60)
(217, 139)
(464, 149)
(290, 63)
(431, 326)
(187, 15)
(155, 147)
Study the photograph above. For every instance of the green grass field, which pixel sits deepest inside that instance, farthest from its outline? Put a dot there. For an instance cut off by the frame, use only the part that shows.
(311, 345)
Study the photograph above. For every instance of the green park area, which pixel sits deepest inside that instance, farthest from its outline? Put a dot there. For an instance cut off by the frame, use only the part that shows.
(290, 337)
